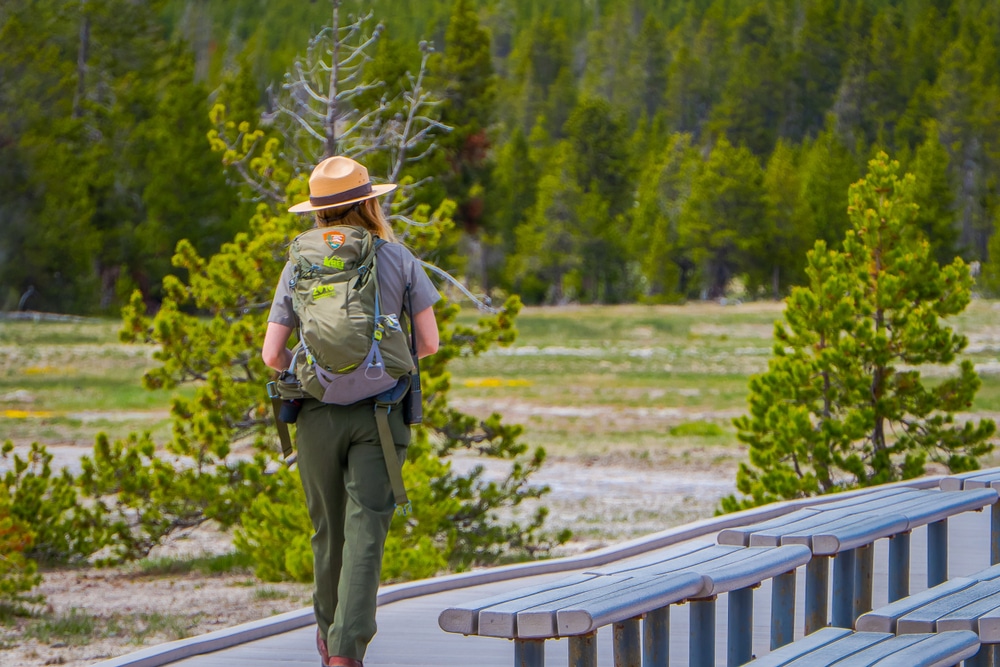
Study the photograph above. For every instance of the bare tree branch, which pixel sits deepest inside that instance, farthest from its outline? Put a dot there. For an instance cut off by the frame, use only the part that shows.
(302, 122)
(480, 303)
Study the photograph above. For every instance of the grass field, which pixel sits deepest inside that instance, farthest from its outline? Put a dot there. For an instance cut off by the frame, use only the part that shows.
(63, 382)
(661, 381)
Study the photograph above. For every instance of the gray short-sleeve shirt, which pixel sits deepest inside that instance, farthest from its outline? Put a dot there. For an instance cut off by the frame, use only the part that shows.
(397, 268)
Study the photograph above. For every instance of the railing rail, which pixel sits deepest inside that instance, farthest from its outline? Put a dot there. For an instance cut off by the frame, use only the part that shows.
(838, 537)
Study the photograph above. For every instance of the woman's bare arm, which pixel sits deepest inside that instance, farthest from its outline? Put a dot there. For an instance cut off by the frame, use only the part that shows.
(275, 351)
(425, 326)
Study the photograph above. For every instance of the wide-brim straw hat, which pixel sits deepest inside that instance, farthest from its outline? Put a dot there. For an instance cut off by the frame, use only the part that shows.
(338, 181)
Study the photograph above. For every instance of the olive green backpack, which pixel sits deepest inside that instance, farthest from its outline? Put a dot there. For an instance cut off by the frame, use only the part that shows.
(349, 348)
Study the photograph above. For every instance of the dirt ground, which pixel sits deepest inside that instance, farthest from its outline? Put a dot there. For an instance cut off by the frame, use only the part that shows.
(127, 610)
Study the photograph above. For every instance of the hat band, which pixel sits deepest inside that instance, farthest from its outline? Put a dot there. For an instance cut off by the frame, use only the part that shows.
(339, 197)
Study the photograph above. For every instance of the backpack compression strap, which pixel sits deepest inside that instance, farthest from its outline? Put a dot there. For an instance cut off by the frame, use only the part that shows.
(392, 466)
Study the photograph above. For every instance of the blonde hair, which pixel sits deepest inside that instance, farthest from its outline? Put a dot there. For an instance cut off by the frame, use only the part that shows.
(366, 214)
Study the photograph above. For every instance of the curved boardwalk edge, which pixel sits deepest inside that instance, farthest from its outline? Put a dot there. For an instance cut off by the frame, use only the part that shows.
(163, 654)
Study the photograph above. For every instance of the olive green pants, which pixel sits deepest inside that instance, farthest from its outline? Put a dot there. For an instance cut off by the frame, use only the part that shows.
(350, 503)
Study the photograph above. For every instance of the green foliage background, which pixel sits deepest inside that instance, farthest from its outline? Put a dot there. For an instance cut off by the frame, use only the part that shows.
(105, 103)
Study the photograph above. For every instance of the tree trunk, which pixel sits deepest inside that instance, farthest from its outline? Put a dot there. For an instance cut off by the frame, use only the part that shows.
(330, 125)
(83, 53)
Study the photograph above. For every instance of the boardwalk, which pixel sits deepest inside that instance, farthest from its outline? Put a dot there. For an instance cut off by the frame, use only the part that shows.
(409, 634)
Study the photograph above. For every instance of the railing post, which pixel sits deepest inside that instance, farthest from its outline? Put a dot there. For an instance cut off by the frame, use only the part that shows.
(702, 646)
(656, 638)
(843, 589)
(995, 534)
(985, 657)
(739, 648)
(817, 593)
(583, 650)
(937, 553)
(782, 609)
(529, 653)
(899, 566)
(864, 572)
(627, 643)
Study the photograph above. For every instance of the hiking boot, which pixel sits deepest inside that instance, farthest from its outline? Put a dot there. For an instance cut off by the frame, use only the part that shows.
(321, 647)
(337, 661)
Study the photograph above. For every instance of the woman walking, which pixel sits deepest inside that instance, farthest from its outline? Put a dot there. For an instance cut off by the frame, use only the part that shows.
(340, 457)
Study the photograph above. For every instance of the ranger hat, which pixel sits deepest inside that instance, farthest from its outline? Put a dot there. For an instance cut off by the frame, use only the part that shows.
(338, 181)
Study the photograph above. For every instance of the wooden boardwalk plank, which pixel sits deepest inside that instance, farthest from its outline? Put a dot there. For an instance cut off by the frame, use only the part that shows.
(409, 635)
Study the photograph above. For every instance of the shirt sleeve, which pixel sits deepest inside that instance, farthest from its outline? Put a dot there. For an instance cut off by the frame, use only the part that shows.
(423, 293)
(398, 268)
(281, 307)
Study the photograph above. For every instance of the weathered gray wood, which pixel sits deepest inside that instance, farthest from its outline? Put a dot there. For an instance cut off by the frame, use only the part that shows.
(740, 535)
(924, 619)
(992, 572)
(582, 606)
(865, 501)
(938, 505)
(769, 532)
(933, 650)
(829, 522)
(539, 620)
(409, 635)
(971, 480)
(500, 620)
(626, 604)
(790, 652)
(884, 618)
(669, 561)
(967, 617)
(845, 525)
(988, 627)
(804, 528)
(916, 503)
(873, 654)
(853, 532)
(840, 649)
(715, 558)
(753, 566)
(465, 619)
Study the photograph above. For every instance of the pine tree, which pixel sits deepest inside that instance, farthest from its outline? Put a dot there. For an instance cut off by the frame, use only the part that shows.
(816, 66)
(651, 60)
(602, 169)
(752, 105)
(511, 197)
(546, 265)
(954, 98)
(469, 89)
(540, 82)
(663, 188)
(828, 169)
(720, 222)
(935, 196)
(787, 234)
(843, 403)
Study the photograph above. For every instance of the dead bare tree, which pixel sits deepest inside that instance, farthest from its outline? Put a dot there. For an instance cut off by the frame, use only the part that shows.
(317, 114)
